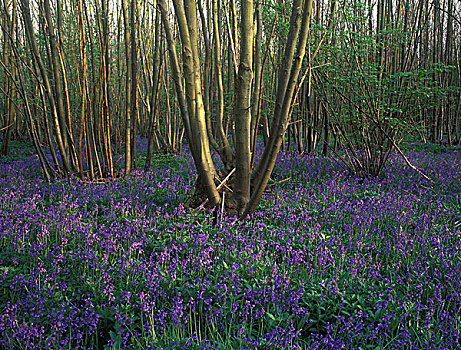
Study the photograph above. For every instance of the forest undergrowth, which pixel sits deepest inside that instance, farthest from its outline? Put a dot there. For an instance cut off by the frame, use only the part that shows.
(328, 261)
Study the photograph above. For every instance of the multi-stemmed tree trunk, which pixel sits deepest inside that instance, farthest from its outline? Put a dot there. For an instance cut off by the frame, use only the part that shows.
(247, 188)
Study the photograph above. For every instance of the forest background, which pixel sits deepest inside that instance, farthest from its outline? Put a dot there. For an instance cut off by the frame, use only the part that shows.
(84, 79)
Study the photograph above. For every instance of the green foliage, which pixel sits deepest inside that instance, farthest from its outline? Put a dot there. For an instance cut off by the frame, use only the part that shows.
(432, 148)
(160, 161)
(372, 96)
(18, 150)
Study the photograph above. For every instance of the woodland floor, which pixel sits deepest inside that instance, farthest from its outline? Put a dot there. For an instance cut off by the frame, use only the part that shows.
(328, 261)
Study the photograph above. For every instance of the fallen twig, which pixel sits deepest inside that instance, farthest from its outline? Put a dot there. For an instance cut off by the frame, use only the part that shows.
(279, 182)
(222, 206)
(223, 182)
(399, 151)
(226, 179)
(6, 127)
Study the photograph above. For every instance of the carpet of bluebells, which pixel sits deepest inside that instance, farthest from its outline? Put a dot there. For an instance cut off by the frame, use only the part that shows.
(328, 261)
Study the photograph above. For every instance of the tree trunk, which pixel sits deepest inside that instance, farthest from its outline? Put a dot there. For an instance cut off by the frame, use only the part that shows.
(194, 115)
(242, 109)
(154, 96)
(134, 81)
(128, 85)
(25, 9)
(225, 149)
(9, 25)
(257, 75)
(286, 85)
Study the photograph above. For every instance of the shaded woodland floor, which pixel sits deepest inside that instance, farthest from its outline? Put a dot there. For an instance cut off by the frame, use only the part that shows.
(328, 261)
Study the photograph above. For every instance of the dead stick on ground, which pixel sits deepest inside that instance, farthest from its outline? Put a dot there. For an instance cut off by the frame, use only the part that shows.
(411, 165)
(279, 182)
(226, 179)
(222, 206)
(223, 182)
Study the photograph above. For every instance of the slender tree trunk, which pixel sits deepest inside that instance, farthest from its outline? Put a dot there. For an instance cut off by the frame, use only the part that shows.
(9, 29)
(25, 9)
(242, 109)
(128, 85)
(134, 80)
(225, 149)
(55, 67)
(257, 75)
(154, 93)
